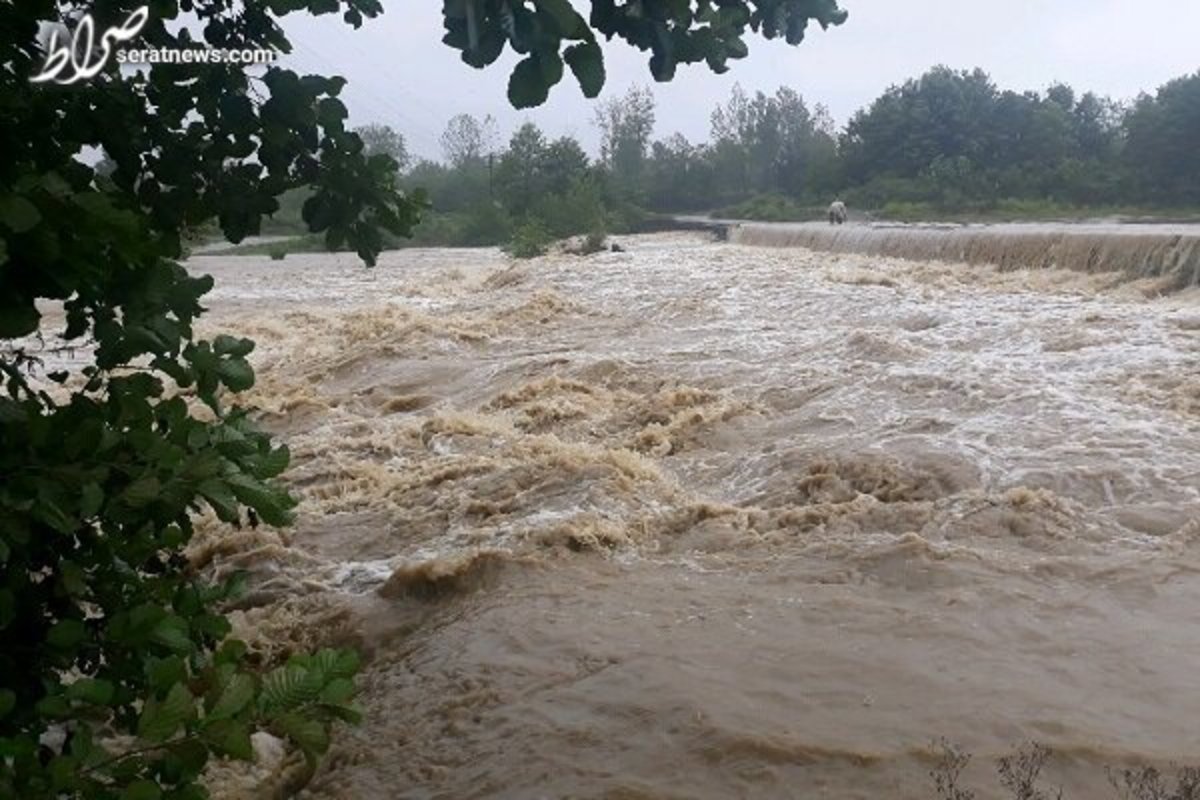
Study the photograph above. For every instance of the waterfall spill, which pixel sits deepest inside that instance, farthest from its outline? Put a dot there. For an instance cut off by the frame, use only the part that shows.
(1169, 253)
(714, 520)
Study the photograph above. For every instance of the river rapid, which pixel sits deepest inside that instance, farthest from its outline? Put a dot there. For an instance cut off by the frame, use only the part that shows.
(707, 520)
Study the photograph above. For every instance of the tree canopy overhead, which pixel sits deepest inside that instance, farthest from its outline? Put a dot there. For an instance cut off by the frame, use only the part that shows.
(117, 678)
(552, 33)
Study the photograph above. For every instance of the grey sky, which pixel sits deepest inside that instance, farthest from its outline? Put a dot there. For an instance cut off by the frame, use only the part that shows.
(401, 74)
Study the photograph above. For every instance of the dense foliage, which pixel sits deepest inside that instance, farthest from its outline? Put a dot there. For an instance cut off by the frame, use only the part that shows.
(1161, 136)
(949, 141)
(116, 677)
(551, 34)
(948, 144)
(382, 140)
(953, 138)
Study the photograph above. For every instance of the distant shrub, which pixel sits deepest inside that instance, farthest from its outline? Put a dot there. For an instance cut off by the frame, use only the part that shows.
(1021, 773)
(771, 208)
(529, 240)
(948, 770)
(278, 252)
(1147, 783)
(578, 210)
(594, 242)
(484, 225)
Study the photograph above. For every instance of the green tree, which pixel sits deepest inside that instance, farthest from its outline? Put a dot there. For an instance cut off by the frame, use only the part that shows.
(942, 114)
(519, 176)
(548, 181)
(104, 461)
(772, 143)
(681, 176)
(564, 163)
(468, 141)
(953, 139)
(384, 140)
(1161, 153)
(626, 124)
(1096, 124)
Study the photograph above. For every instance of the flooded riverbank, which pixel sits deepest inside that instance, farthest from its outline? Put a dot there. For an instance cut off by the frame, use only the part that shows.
(713, 520)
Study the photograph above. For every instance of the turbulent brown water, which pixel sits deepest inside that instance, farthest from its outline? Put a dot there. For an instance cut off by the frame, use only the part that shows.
(706, 520)
(1170, 253)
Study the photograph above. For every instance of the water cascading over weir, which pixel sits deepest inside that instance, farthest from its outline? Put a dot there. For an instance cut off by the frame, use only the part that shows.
(1170, 253)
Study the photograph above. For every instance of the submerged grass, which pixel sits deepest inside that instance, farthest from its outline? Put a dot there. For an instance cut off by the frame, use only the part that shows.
(1021, 776)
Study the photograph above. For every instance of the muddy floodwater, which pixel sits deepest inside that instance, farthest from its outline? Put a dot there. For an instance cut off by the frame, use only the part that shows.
(709, 520)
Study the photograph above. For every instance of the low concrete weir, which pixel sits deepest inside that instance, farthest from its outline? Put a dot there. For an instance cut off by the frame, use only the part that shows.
(1139, 251)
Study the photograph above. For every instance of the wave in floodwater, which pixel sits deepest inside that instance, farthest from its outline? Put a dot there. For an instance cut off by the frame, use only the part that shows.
(713, 520)
(1167, 254)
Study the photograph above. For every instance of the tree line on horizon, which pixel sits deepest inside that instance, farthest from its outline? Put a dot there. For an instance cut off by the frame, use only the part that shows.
(947, 143)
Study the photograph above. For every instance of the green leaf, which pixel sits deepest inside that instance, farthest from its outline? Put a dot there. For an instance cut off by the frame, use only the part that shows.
(220, 497)
(289, 687)
(54, 706)
(552, 68)
(586, 61)
(160, 719)
(225, 345)
(66, 634)
(172, 632)
(235, 587)
(72, 577)
(337, 691)
(527, 86)
(231, 651)
(569, 23)
(17, 321)
(192, 754)
(215, 626)
(91, 690)
(336, 663)
(142, 790)
(272, 505)
(236, 373)
(142, 492)
(345, 713)
(331, 113)
(274, 462)
(90, 501)
(236, 695)
(309, 734)
(230, 738)
(8, 701)
(165, 672)
(64, 774)
(18, 214)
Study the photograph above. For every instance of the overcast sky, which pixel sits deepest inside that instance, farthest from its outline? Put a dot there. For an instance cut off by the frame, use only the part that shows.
(401, 74)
